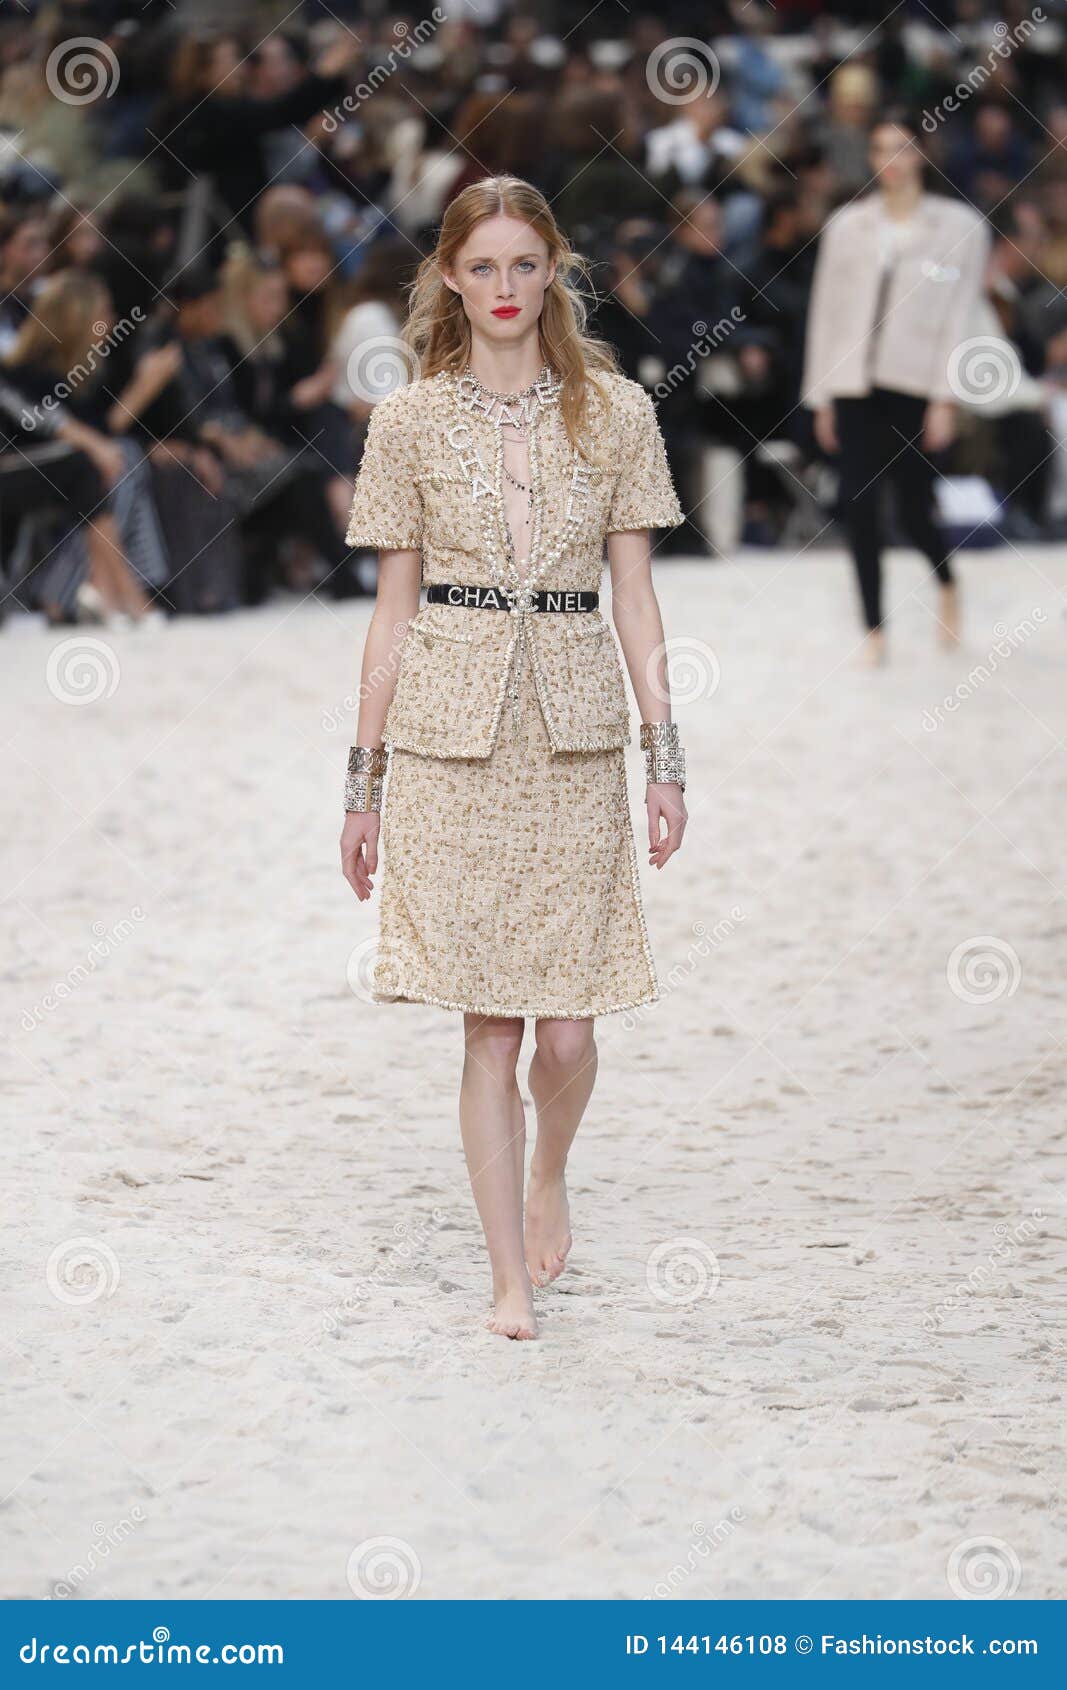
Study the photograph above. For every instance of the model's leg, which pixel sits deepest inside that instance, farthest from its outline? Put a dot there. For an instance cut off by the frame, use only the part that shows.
(562, 1074)
(912, 476)
(494, 1133)
(863, 452)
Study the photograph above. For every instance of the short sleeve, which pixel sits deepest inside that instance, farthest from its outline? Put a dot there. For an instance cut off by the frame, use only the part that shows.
(387, 505)
(645, 495)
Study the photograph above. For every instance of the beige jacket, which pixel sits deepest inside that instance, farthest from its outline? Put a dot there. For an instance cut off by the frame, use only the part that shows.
(928, 309)
(413, 494)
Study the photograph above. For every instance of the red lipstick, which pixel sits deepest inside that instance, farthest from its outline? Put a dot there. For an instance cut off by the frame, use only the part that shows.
(506, 311)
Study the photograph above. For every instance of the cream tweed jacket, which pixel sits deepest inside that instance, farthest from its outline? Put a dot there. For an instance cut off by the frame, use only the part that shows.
(413, 493)
(925, 318)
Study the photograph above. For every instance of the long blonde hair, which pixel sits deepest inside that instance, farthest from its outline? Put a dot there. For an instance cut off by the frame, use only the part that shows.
(62, 330)
(437, 329)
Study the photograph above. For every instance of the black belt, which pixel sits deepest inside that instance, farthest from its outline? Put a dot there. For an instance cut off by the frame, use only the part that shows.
(499, 598)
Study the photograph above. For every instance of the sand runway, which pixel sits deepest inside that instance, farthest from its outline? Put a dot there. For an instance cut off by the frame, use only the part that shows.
(812, 1339)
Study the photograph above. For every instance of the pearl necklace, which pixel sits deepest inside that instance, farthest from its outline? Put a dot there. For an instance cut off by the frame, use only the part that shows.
(487, 488)
(487, 492)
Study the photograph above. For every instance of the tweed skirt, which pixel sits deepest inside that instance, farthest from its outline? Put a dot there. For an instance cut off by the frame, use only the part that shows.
(509, 882)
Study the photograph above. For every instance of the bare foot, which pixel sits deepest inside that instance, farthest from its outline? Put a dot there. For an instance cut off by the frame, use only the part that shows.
(513, 1313)
(547, 1227)
(872, 652)
(948, 615)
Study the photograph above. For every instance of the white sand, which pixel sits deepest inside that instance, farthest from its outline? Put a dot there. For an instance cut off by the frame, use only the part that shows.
(285, 1358)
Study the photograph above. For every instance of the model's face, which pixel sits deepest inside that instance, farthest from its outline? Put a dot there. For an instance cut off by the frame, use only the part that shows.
(501, 273)
(895, 157)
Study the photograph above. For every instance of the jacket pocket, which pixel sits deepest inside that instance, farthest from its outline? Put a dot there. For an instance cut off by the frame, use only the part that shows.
(449, 676)
(581, 685)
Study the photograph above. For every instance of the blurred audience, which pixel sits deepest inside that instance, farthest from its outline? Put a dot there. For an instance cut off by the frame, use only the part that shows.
(207, 233)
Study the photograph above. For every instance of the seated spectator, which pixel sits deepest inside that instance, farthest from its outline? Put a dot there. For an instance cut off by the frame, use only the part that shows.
(59, 362)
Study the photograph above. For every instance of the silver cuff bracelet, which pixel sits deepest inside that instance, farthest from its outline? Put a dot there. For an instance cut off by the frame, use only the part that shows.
(365, 780)
(664, 756)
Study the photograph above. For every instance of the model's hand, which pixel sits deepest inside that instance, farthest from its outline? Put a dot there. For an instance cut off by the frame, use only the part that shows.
(939, 425)
(826, 428)
(359, 850)
(665, 804)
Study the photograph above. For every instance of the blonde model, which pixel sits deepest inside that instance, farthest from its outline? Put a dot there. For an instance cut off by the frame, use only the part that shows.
(493, 719)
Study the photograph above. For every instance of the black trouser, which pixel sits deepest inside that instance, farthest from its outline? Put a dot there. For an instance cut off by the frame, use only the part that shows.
(880, 439)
